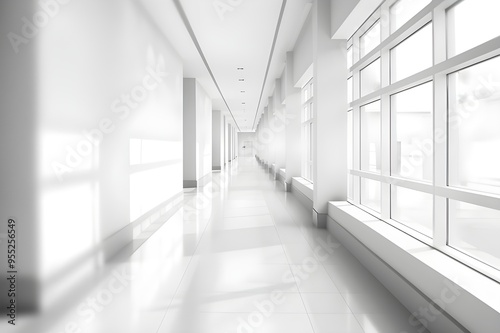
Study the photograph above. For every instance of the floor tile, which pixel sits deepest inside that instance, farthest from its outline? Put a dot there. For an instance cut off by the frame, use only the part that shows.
(324, 303)
(337, 323)
(313, 278)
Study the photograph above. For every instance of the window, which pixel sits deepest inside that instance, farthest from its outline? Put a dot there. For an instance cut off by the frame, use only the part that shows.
(350, 133)
(413, 55)
(349, 57)
(470, 23)
(370, 194)
(350, 97)
(370, 137)
(307, 131)
(404, 10)
(423, 129)
(474, 231)
(412, 208)
(370, 39)
(474, 120)
(412, 146)
(370, 78)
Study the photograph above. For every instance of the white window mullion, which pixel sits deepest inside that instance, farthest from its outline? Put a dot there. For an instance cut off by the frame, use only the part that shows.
(385, 149)
(440, 238)
(356, 154)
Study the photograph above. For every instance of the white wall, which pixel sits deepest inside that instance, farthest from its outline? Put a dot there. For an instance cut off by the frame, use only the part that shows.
(247, 139)
(303, 51)
(18, 126)
(217, 140)
(189, 124)
(197, 133)
(340, 10)
(102, 141)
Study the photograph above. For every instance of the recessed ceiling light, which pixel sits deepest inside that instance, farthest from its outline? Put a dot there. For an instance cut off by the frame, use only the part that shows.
(243, 91)
(240, 68)
(241, 80)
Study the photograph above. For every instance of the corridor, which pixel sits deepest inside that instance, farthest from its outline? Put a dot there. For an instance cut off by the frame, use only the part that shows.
(240, 256)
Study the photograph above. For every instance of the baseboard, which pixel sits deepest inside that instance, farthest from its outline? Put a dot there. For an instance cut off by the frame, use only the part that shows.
(308, 203)
(412, 298)
(319, 220)
(190, 183)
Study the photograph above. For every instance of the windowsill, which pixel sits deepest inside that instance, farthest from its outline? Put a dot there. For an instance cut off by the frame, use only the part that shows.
(423, 266)
(304, 186)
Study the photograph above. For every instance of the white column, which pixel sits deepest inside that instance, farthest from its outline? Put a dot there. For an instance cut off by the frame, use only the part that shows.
(217, 140)
(330, 118)
(292, 131)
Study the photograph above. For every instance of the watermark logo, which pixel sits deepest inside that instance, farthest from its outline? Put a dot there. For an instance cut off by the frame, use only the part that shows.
(420, 319)
(222, 7)
(122, 108)
(88, 310)
(30, 28)
(266, 308)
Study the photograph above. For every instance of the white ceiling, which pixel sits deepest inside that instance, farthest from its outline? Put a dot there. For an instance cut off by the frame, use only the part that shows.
(232, 34)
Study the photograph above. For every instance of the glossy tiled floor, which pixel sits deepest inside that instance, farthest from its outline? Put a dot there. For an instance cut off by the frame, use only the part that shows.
(240, 257)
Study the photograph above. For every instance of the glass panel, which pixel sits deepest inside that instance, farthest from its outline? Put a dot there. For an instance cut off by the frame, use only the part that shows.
(370, 137)
(370, 78)
(349, 57)
(413, 209)
(349, 154)
(413, 138)
(412, 55)
(349, 140)
(350, 187)
(474, 230)
(370, 194)
(349, 90)
(471, 23)
(370, 39)
(473, 122)
(403, 10)
(311, 134)
(305, 112)
(306, 150)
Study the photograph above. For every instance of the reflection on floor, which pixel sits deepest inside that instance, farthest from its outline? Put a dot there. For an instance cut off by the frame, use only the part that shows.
(241, 256)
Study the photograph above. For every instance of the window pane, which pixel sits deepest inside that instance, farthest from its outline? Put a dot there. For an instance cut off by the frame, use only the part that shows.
(349, 90)
(370, 137)
(349, 139)
(305, 112)
(311, 134)
(350, 186)
(413, 209)
(413, 138)
(403, 10)
(306, 150)
(370, 78)
(370, 39)
(471, 23)
(473, 122)
(474, 230)
(370, 194)
(349, 154)
(412, 55)
(349, 57)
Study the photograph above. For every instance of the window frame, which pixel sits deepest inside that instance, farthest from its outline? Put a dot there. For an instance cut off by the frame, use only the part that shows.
(307, 131)
(435, 13)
